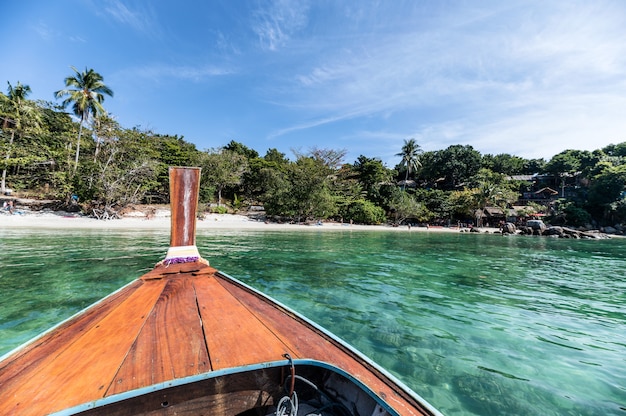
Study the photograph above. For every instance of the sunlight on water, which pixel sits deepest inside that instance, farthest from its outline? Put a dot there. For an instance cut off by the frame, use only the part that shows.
(476, 324)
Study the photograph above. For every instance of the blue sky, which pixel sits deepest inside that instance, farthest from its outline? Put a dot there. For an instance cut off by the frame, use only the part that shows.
(529, 78)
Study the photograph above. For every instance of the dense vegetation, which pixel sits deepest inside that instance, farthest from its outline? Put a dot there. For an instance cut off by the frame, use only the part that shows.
(47, 155)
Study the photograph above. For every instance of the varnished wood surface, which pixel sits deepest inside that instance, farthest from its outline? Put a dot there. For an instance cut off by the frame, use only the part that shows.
(175, 321)
(184, 202)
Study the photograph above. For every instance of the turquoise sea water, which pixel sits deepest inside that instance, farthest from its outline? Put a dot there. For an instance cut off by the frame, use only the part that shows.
(475, 324)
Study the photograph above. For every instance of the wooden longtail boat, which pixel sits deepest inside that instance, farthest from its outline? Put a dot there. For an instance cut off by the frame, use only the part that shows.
(186, 339)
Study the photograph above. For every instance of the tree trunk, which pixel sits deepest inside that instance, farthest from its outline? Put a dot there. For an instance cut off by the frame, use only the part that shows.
(406, 177)
(80, 132)
(6, 160)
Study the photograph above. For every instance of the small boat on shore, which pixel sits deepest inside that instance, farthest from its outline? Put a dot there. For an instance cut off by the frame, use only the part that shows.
(187, 339)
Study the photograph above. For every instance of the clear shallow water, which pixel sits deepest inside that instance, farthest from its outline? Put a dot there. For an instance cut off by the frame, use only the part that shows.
(476, 324)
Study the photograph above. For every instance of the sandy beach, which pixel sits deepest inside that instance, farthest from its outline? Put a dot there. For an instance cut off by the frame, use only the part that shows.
(162, 220)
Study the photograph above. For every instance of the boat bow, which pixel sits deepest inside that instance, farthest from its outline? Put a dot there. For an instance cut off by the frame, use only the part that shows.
(184, 339)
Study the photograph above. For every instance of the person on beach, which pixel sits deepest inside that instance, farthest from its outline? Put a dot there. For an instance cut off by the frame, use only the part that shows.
(8, 206)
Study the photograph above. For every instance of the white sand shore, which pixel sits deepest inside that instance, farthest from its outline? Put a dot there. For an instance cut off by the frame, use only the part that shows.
(162, 221)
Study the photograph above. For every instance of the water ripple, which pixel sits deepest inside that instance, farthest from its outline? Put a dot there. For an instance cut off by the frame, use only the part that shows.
(475, 324)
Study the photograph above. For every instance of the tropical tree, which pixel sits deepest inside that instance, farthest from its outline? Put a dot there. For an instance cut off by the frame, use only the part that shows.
(126, 169)
(371, 174)
(492, 189)
(241, 149)
(607, 188)
(405, 206)
(569, 163)
(310, 196)
(504, 163)
(274, 156)
(362, 211)
(86, 91)
(223, 168)
(436, 201)
(410, 157)
(464, 203)
(49, 170)
(17, 114)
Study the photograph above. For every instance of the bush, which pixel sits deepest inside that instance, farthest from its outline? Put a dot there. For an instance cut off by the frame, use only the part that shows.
(576, 216)
(364, 212)
(219, 210)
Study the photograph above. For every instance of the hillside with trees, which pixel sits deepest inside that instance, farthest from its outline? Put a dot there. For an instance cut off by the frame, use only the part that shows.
(91, 162)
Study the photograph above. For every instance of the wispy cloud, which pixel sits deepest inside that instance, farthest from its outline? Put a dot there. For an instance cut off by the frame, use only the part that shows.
(142, 21)
(225, 44)
(475, 75)
(276, 23)
(160, 72)
(44, 31)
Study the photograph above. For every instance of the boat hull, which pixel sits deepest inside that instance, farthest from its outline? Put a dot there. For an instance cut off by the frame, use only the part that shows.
(253, 389)
(175, 322)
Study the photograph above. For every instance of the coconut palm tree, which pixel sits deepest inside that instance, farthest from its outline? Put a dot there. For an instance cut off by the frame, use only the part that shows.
(410, 157)
(17, 113)
(85, 92)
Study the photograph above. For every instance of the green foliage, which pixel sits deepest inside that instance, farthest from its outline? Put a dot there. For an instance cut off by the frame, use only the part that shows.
(505, 164)
(330, 158)
(405, 207)
(450, 168)
(410, 158)
(241, 149)
(616, 212)
(606, 189)
(371, 174)
(258, 179)
(85, 93)
(570, 162)
(20, 118)
(464, 203)
(309, 196)
(569, 214)
(303, 191)
(576, 215)
(618, 150)
(168, 151)
(437, 202)
(219, 209)
(237, 203)
(276, 157)
(223, 169)
(363, 212)
(492, 189)
(122, 172)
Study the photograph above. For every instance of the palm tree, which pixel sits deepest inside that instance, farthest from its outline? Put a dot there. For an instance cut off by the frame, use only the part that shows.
(17, 113)
(86, 96)
(410, 157)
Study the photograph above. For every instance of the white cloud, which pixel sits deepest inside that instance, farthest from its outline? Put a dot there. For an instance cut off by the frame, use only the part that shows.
(142, 21)
(44, 31)
(274, 25)
(497, 78)
(198, 73)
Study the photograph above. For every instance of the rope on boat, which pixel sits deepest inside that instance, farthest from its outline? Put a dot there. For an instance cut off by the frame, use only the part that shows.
(182, 254)
(293, 373)
(289, 404)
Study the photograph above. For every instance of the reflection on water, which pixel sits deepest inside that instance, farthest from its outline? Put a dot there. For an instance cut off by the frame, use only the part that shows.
(475, 324)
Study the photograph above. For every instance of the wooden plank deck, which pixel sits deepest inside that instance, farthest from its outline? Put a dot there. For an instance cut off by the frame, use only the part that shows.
(171, 323)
